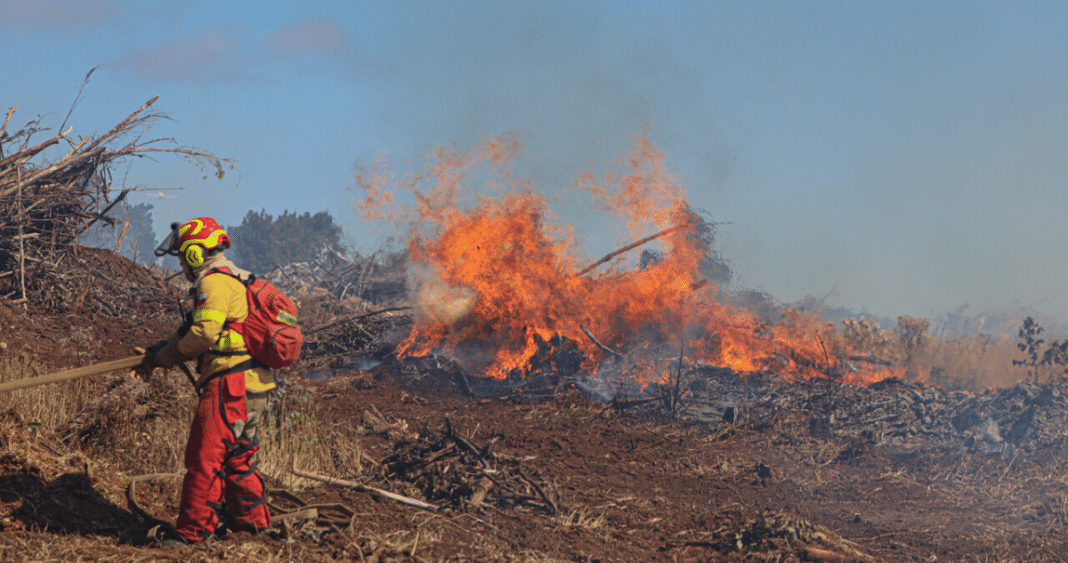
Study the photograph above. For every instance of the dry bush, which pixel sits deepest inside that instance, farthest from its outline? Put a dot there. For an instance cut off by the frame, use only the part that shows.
(910, 335)
(974, 363)
(898, 345)
(865, 336)
(45, 408)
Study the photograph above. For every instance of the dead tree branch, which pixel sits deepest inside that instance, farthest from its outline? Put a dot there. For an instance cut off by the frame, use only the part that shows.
(598, 342)
(632, 246)
(363, 488)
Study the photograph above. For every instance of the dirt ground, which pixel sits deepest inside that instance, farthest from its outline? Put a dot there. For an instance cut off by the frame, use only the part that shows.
(563, 477)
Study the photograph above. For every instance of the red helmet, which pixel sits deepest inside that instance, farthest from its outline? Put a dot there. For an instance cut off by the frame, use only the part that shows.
(191, 239)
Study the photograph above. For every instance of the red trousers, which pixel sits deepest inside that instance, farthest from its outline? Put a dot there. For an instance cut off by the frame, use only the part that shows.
(220, 480)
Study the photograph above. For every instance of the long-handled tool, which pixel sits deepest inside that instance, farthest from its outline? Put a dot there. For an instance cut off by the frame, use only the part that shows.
(69, 374)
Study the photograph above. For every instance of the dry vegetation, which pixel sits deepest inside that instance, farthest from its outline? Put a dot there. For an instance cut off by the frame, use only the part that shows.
(971, 363)
(140, 427)
(806, 474)
(46, 204)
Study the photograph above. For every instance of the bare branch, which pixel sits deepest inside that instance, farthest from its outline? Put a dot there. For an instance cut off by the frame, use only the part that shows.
(632, 246)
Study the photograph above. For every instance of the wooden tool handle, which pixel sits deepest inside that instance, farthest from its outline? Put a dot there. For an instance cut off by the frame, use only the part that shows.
(71, 374)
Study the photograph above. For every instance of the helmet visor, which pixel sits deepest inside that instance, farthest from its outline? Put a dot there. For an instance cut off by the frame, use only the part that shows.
(169, 244)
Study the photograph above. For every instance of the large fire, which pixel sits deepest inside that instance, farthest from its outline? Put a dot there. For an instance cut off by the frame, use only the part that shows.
(490, 267)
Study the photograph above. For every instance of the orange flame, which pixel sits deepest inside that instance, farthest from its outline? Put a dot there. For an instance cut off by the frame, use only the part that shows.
(499, 273)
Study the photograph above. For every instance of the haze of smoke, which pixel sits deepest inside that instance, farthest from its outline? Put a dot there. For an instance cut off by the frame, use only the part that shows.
(436, 300)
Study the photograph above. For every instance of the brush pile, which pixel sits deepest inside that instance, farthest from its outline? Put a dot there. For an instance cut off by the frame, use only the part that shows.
(334, 274)
(450, 470)
(348, 305)
(48, 199)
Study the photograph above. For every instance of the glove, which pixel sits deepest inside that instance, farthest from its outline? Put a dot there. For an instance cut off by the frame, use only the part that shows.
(168, 356)
(163, 354)
(148, 363)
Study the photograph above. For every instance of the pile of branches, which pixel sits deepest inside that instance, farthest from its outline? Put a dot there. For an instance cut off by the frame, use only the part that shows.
(100, 284)
(45, 204)
(335, 274)
(450, 470)
(347, 305)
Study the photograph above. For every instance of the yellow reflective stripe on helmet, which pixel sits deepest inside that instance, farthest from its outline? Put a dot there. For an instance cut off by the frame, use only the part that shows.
(195, 224)
(208, 242)
(284, 317)
(209, 315)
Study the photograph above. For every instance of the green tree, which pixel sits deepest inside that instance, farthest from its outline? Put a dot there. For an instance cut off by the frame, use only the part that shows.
(263, 241)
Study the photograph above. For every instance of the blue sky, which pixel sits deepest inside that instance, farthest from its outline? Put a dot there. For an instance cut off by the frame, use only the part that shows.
(902, 157)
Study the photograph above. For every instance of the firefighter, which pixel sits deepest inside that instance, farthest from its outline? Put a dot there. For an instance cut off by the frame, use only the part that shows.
(222, 484)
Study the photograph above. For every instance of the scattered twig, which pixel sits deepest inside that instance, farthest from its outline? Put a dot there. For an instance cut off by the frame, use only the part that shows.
(118, 243)
(78, 98)
(3, 128)
(22, 236)
(826, 356)
(553, 509)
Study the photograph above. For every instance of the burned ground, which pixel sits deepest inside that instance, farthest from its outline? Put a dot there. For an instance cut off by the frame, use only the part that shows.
(527, 470)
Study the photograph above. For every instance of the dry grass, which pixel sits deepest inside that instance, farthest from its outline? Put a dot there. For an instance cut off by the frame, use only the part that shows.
(138, 426)
(135, 425)
(292, 436)
(46, 408)
(582, 517)
(141, 427)
(974, 363)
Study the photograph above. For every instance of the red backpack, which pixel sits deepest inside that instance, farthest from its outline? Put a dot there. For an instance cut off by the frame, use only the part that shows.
(270, 331)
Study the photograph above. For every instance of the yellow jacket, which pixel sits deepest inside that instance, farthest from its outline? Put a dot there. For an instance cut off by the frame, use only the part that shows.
(220, 299)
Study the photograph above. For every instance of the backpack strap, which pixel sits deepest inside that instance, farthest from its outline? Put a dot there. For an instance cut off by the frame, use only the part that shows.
(227, 271)
(243, 366)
